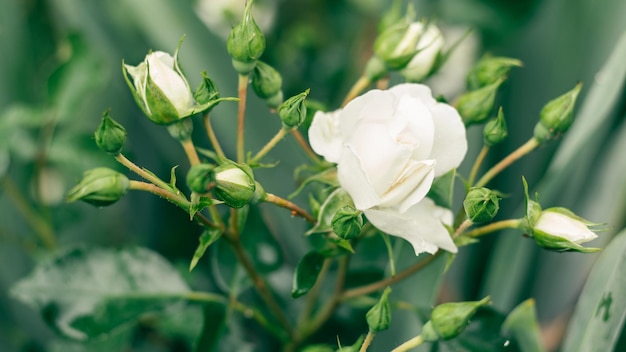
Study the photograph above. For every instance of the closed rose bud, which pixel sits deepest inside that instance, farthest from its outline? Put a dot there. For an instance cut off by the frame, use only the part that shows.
(490, 69)
(347, 222)
(379, 316)
(428, 49)
(267, 84)
(559, 229)
(448, 320)
(292, 112)
(396, 46)
(475, 106)
(207, 90)
(495, 131)
(100, 187)
(246, 42)
(201, 177)
(481, 204)
(234, 184)
(557, 116)
(110, 135)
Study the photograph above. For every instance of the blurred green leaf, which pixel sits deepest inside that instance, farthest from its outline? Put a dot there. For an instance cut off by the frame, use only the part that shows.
(85, 293)
(306, 273)
(118, 339)
(601, 309)
(522, 325)
(206, 239)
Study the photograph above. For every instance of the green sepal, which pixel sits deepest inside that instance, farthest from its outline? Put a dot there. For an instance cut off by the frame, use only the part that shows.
(138, 100)
(162, 111)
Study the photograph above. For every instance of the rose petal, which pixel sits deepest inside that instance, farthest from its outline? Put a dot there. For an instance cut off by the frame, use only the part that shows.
(161, 69)
(419, 91)
(353, 179)
(422, 225)
(450, 143)
(324, 135)
(561, 225)
(412, 125)
(411, 186)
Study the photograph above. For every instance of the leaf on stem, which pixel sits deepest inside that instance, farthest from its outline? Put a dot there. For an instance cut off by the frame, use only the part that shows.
(207, 238)
(442, 189)
(522, 325)
(306, 273)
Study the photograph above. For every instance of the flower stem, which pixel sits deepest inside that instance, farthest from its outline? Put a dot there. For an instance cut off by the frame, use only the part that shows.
(524, 149)
(158, 191)
(191, 152)
(495, 226)
(40, 226)
(212, 137)
(305, 146)
(270, 145)
(392, 264)
(379, 285)
(241, 114)
(258, 282)
(479, 160)
(356, 89)
(412, 343)
(295, 210)
(367, 341)
(141, 172)
(464, 226)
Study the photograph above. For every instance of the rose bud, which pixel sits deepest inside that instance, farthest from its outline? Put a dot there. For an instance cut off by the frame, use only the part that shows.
(246, 42)
(234, 184)
(379, 316)
(559, 229)
(481, 204)
(428, 49)
(267, 83)
(557, 116)
(448, 320)
(495, 131)
(201, 177)
(292, 112)
(475, 106)
(347, 222)
(490, 69)
(100, 187)
(110, 135)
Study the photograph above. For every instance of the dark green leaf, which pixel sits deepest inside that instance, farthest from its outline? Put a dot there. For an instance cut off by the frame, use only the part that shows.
(306, 273)
(601, 309)
(85, 293)
(206, 239)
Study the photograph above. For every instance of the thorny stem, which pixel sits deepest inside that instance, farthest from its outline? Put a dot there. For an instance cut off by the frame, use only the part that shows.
(141, 172)
(524, 149)
(479, 160)
(495, 226)
(191, 152)
(305, 146)
(241, 114)
(356, 89)
(41, 227)
(212, 137)
(270, 145)
(412, 343)
(379, 285)
(367, 341)
(295, 210)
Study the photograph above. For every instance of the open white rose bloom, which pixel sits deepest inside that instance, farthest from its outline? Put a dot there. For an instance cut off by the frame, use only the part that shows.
(389, 146)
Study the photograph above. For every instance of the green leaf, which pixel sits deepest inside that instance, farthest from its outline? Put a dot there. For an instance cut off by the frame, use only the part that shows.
(206, 239)
(85, 293)
(522, 325)
(442, 189)
(306, 273)
(601, 309)
(327, 177)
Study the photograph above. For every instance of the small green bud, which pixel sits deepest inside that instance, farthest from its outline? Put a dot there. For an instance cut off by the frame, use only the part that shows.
(397, 45)
(293, 111)
(448, 320)
(234, 184)
(475, 106)
(207, 90)
(481, 204)
(100, 187)
(347, 222)
(267, 84)
(379, 316)
(246, 42)
(110, 135)
(181, 130)
(557, 116)
(495, 131)
(490, 69)
(201, 177)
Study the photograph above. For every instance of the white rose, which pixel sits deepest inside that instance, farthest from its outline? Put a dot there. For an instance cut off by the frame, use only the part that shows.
(162, 69)
(429, 46)
(564, 226)
(389, 147)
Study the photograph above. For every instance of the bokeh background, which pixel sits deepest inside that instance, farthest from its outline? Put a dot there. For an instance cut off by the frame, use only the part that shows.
(60, 68)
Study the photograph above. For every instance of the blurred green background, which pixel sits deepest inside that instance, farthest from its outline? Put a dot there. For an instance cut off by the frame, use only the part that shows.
(60, 68)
